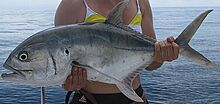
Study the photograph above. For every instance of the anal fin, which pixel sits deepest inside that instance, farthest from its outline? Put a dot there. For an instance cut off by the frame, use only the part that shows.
(126, 87)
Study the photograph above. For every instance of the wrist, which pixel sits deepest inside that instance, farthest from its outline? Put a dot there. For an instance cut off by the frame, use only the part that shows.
(154, 65)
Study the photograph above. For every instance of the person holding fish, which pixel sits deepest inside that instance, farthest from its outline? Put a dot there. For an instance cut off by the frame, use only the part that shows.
(138, 12)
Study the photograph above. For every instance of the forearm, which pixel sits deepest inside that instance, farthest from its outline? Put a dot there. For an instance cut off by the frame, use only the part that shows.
(154, 65)
(147, 28)
(147, 19)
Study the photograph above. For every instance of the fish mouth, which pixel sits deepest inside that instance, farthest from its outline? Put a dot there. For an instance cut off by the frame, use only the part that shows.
(14, 71)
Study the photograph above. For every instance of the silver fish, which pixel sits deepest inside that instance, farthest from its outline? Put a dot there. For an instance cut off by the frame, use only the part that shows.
(111, 52)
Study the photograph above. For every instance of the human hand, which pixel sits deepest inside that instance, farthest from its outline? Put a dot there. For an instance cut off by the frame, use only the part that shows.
(76, 80)
(166, 50)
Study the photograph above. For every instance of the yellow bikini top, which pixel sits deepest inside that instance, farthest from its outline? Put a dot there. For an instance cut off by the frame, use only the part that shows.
(95, 17)
(99, 18)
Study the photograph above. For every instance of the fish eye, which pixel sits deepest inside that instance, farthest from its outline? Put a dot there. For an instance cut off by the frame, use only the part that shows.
(23, 56)
(66, 51)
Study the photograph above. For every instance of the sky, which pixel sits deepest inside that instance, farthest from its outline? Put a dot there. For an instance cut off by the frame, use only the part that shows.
(52, 4)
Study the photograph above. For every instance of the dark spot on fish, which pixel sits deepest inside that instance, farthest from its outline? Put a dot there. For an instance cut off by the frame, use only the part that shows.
(75, 63)
(123, 61)
(67, 51)
(80, 50)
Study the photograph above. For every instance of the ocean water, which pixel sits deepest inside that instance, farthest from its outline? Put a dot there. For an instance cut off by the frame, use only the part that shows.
(177, 82)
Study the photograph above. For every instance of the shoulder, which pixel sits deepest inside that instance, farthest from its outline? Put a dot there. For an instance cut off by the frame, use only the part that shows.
(145, 7)
(144, 4)
(143, 1)
(75, 1)
(70, 12)
(74, 4)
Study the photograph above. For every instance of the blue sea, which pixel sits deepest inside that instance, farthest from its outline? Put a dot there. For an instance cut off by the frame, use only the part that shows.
(177, 82)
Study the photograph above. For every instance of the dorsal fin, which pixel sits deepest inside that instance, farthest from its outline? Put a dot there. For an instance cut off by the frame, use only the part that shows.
(115, 16)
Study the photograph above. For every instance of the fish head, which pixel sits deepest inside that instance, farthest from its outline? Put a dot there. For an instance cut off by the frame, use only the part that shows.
(38, 64)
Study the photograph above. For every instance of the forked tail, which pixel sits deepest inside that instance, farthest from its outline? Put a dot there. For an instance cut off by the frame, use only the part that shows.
(183, 39)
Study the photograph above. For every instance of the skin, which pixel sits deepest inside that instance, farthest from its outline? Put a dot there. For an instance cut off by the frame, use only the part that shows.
(68, 13)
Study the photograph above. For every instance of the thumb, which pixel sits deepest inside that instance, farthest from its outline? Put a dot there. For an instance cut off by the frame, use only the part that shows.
(170, 39)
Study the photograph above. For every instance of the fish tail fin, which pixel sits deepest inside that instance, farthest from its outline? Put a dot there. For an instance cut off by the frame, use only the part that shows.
(184, 38)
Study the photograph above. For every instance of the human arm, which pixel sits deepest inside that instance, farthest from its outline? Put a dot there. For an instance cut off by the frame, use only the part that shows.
(165, 50)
